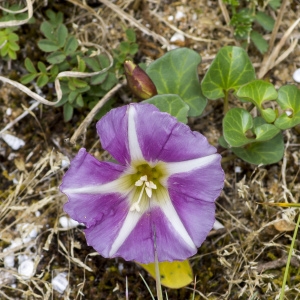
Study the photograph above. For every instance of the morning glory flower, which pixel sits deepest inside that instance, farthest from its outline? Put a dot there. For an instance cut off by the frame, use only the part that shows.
(160, 195)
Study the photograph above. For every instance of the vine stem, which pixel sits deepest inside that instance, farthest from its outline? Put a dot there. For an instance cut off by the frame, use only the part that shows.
(289, 260)
(225, 107)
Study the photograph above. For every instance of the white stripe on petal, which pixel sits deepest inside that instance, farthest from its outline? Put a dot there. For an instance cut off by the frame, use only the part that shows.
(165, 204)
(189, 165)
(134, 146)
(129, 224)
(120, 185)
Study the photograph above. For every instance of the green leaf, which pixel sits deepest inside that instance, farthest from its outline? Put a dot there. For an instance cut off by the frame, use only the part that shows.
(267, 152)
(110, 81)
(12, 37)
(41, 66)
(78, 83)
(236, 123)
(28, 78)
(134, 48)
(171, 104)
(265, 20)
(4, 50)
(274, 4)
(68, 112)
(56, 58)
(81, 64)
(125, 47)
(176, 73)
(98, 79)
(79, 101)
(230, 69)
(258, 91)
(130, 34)
(12, 54)
(71, 45)
(259, 42)
(48, 46)
(72, 96)
(42, 80)
(30, 66)
(289, 101)
(62, 33)
(48, 30)
(175, 275)
(263, 131)
(240, 129)
(13, 46)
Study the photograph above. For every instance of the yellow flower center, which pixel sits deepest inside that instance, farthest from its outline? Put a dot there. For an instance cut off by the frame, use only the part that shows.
(147, 182)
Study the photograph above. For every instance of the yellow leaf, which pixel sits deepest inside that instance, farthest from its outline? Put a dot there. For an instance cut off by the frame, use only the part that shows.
(175, 275)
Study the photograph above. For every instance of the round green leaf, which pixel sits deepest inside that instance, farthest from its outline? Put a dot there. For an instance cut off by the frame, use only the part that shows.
(230, 69)
(289, 100)
(267, 152)
(258, 91)
(236, 123)
(171, 104)
(176, 73)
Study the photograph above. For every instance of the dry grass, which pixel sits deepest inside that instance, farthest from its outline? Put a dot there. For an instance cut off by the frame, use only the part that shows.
(245, 260)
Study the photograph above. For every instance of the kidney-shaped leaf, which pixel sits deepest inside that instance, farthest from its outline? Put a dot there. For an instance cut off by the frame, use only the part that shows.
(176, 73)
(289, 100)
(267, 152)
(175, 275)
(238, 123)
(230, 69)
(258, 91)
(171, 104)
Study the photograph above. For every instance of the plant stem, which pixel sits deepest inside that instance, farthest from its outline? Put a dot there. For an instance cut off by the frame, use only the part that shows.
(289, 259)
(225, 107)
(157, 278)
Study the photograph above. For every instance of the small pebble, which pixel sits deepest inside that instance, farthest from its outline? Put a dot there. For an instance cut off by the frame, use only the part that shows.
(67, 223)
(26, 269)
(296, 75)
(60, 282)
(12, 141)
(8, 111)
(238, 169)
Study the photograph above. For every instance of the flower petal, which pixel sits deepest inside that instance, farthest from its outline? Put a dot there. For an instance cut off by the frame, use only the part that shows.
(84, 204)
(162, 137)
(154, 226)
(113, 132)
(197, 216)
(204, 183)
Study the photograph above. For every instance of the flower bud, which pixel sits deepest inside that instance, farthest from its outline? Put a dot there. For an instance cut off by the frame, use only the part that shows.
(138, 81)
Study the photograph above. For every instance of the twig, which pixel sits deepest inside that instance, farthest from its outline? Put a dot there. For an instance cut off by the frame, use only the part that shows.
(87, 121)
(134, 22)
(276, 26)
(12, 23)
(20, 117)
(269, 60)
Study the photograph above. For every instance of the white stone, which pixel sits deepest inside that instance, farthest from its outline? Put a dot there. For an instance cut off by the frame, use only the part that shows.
(177, 37)
(179, 15)
(238, 169)
(26, 269)
(60, 282)
(9, 260)
(296, 75)
(12, 141)
(67, 223)
(8, 111)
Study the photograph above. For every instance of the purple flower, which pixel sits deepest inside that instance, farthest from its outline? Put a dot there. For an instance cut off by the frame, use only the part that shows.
(161, 194)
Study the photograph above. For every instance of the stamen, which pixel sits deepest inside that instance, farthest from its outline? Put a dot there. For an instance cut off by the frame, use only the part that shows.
(146, 185)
